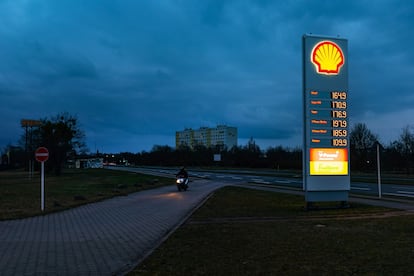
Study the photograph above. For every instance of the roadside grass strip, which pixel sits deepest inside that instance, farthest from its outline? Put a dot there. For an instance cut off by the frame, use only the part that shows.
(241, 231)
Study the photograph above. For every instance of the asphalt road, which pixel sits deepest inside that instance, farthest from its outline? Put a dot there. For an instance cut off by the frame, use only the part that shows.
(393, 196)
(242, 176)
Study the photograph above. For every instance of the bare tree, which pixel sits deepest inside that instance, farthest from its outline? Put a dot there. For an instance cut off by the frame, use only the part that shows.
(405, 147)
(362, 144)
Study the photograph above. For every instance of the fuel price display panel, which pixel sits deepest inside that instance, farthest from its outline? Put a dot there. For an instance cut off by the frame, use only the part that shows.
(328, 132)
(328, 118)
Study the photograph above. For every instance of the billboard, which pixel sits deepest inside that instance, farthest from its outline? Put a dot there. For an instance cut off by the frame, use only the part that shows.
(326, 118)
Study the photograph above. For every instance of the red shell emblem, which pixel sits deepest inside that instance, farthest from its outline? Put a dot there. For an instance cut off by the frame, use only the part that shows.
(327, 58)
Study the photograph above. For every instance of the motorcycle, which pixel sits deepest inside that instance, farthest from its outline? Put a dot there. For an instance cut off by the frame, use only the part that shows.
(181, 182)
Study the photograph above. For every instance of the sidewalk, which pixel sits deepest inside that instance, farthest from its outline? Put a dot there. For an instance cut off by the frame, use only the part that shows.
(104, 238)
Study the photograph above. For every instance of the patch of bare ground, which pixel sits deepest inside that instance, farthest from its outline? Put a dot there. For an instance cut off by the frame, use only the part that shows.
(379, 215)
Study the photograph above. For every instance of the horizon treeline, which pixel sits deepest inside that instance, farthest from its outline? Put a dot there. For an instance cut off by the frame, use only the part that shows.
(62, 135)
(397, 157)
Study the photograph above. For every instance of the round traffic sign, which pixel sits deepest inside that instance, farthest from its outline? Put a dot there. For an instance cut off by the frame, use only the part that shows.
(41, 154)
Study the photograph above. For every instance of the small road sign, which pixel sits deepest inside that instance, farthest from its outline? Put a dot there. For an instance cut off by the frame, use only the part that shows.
(42, 154)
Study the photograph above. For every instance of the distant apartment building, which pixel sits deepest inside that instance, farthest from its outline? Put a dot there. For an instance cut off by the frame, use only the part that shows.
(222, 135)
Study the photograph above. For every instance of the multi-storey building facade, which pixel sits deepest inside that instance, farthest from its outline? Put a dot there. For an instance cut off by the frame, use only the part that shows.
(222, 135)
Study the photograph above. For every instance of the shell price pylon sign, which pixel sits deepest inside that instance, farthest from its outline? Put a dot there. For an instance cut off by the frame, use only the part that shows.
(326, 151)
(328, 58)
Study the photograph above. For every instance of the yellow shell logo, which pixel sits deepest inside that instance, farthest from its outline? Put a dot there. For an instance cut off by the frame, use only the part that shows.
(327, 58)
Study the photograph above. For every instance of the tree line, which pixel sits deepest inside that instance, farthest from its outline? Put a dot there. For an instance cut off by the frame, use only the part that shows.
(249, 155)
(64, 138)
(397, 156)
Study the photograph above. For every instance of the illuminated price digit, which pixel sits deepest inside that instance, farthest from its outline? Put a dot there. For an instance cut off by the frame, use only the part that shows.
(339, 133)
(338, 95)
(339, 113)
(339, 142)
(336, 104)
(339, 123)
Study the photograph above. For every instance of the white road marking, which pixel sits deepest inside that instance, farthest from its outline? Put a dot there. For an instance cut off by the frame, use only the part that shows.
(405, 192)
(407, 188)
(360, 188)
(399, 194)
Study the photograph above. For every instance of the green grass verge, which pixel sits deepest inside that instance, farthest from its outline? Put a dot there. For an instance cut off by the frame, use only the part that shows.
(20, 195)
(247, 232)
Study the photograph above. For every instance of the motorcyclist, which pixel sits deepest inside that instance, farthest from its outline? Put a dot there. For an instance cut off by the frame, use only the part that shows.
(182, 173)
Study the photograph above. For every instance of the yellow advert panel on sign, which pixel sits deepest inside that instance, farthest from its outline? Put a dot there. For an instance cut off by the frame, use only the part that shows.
(328, 161)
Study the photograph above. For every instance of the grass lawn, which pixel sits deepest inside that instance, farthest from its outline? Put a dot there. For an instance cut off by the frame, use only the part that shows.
(248, 232)
(20, 195)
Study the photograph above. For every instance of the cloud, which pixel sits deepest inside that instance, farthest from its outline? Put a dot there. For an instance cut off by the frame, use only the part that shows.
(139, 68)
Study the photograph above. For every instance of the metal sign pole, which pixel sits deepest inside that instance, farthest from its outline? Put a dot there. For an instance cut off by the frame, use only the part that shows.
(379, 170)
(42, 187)
(42, 155)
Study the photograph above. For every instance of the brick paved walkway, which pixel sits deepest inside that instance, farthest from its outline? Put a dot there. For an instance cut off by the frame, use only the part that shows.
(104, 238)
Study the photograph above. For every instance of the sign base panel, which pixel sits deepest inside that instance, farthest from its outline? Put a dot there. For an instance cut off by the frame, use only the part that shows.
(315, 196)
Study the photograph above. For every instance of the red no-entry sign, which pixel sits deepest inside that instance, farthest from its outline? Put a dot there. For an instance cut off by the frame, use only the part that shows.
(42, 154)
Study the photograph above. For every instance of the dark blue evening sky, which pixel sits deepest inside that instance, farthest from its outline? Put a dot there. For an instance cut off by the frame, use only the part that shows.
(134, 72)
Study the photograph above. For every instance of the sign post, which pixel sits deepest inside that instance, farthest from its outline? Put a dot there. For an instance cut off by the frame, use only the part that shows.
(379, 170)
(28, 125)
(42, 155)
